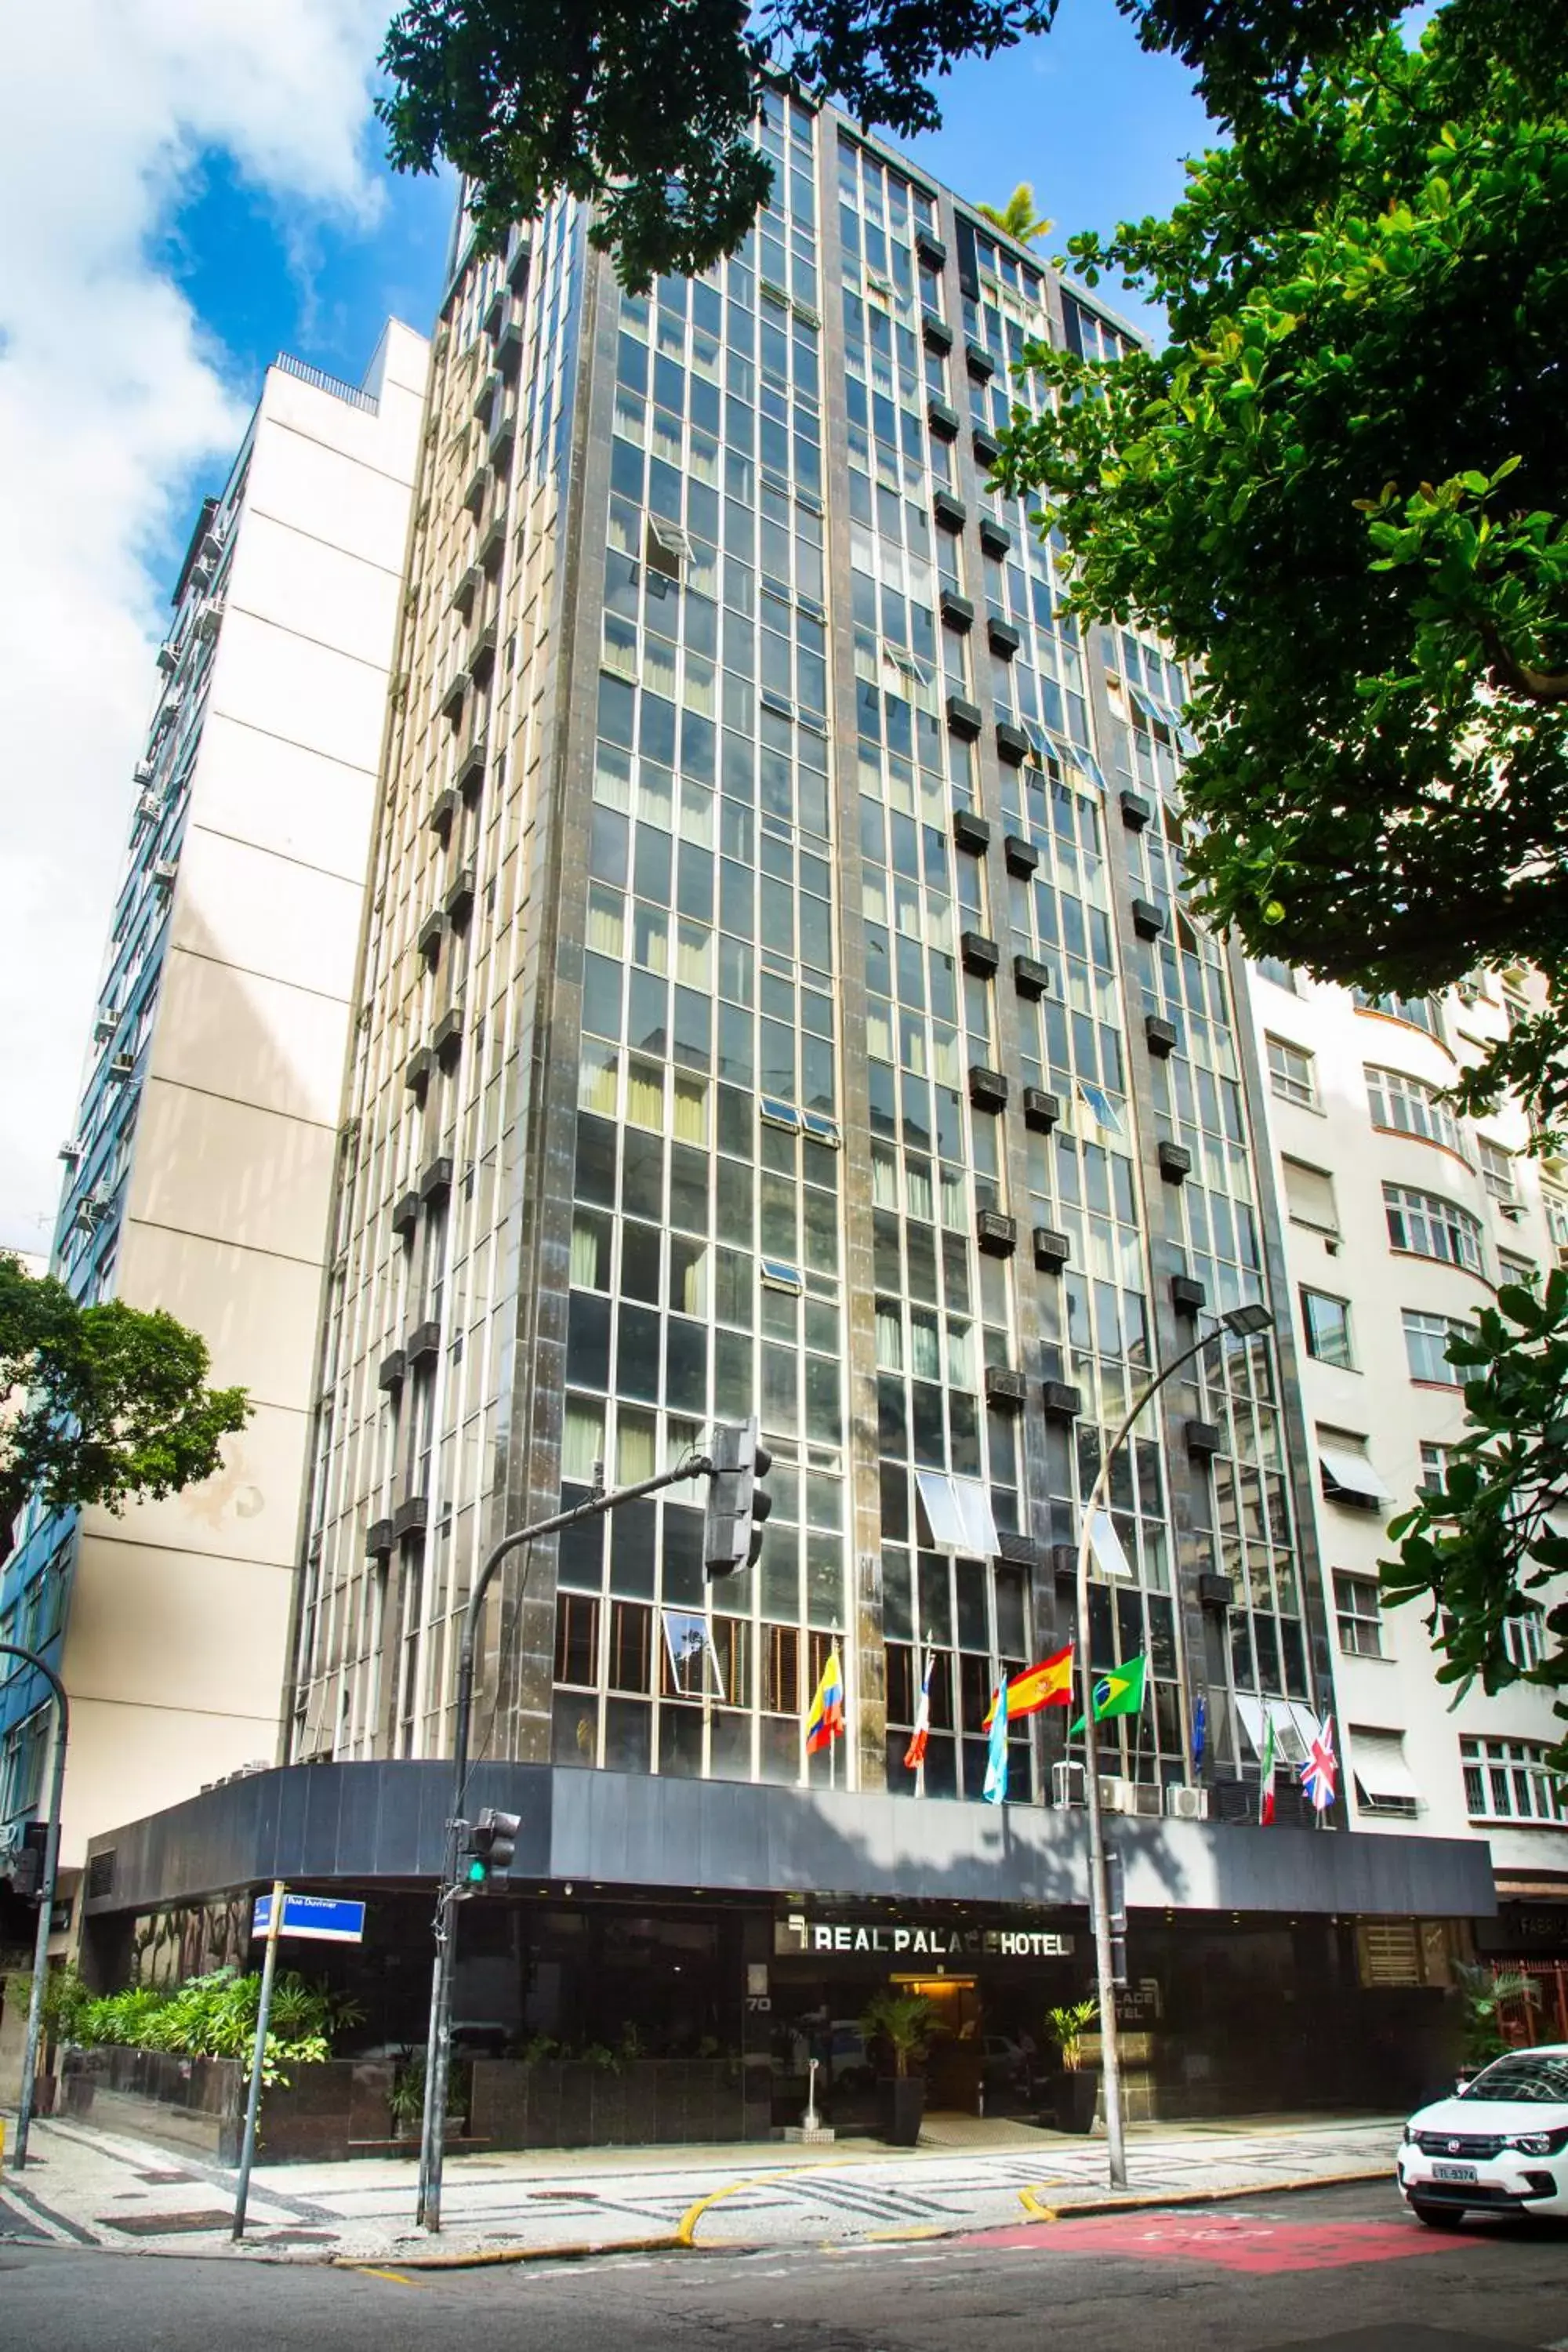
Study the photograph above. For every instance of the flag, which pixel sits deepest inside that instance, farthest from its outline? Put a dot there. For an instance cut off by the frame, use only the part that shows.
(996, 1790)
(1266, 1804)
(824, 1722)
(1320, 1770)
(915, 1753)
(1119, 1691)
(1047, 1685)
(1200, 1731)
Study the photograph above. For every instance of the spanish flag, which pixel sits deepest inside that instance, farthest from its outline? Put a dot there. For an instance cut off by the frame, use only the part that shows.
(1047, 1685)
(825, 1723)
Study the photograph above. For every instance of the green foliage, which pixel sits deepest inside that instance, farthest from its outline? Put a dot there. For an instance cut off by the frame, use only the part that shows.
(114, 1400)
(1341, 489)
(1477, 1550)
(905, 2021)
(1066, 2027)
(1018, 217)
(1483, 1995)
(215, 2016)
(646, 107)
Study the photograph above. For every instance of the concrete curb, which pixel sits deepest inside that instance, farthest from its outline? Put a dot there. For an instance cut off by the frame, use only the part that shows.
(1134, 2203)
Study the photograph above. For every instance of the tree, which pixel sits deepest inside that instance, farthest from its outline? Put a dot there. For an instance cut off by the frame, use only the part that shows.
(1016, 217)
(1480, 1549)
(104, 1404)
(647, 106)
(1340, 492)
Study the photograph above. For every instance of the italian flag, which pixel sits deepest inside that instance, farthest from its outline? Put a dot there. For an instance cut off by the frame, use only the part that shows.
(1265, 1806)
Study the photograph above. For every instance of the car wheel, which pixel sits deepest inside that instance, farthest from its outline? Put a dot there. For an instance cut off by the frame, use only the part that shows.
(1437, 2217)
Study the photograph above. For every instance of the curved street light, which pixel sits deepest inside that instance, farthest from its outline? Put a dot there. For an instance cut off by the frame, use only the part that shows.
(1246, 1321)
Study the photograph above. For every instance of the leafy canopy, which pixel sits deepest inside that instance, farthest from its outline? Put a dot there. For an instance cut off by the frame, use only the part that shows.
(1490, 1545)
(105, 1403)
(1342, 490)
(646, 107)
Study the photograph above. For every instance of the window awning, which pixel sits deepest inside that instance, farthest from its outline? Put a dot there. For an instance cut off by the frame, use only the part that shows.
(958, 1512)
(1382, 1774)
(1350, 1475)
(1294, 1728)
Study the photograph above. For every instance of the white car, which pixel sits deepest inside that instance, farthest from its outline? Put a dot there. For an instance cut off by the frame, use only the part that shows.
(1500, 2146)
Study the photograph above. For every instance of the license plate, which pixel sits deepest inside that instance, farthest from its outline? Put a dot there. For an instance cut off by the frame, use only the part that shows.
(1453, 2172)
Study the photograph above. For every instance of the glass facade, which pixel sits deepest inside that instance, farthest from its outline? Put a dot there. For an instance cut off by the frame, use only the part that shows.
(760, 1012)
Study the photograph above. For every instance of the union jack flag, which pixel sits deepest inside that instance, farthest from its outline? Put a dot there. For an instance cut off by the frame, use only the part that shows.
(1320, 1770)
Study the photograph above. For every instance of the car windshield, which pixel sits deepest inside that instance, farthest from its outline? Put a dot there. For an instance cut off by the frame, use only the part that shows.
(1533, 2077)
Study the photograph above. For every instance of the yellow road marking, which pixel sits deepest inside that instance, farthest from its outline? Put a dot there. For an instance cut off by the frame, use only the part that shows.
(394, 2277)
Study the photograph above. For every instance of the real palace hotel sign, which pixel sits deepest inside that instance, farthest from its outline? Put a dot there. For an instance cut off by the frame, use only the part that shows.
(797, 1933)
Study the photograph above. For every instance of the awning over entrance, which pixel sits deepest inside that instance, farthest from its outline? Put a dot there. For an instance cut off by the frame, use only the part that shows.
(365, 1823)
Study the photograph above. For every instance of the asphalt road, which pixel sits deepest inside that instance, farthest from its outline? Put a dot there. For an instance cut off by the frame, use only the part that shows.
(1336, 2270)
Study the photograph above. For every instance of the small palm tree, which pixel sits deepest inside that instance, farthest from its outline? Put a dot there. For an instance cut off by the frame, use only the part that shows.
(1018, 217)
(904, 2021)
(1484, 1993)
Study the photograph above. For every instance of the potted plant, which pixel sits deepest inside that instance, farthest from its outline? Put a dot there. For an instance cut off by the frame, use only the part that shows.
(1076, 2087)
(904, 2021)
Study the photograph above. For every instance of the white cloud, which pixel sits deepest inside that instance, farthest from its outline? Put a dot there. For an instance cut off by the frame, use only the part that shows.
(114, 411)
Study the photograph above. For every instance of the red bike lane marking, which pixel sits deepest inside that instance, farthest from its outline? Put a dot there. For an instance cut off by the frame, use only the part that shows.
(1231, 2242)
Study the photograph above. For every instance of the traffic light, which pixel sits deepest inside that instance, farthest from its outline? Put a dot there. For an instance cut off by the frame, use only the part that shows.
(737, 1501)
(487, 1851)
(27, 1862)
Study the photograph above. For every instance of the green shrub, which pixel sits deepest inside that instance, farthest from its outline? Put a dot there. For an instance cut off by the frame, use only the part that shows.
(214, 2016)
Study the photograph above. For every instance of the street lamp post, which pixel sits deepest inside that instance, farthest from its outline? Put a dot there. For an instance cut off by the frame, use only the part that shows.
(45, 1893)
(1244, 1321)
(438, 2050)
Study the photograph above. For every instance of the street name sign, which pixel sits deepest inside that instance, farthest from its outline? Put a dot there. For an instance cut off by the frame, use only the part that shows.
(318, 1918)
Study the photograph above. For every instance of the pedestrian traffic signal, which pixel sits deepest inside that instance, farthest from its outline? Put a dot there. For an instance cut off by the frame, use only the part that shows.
(488, 1849)
(738, 1503)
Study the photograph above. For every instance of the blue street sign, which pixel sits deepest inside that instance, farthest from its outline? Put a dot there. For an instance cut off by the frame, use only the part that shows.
(320, 1918)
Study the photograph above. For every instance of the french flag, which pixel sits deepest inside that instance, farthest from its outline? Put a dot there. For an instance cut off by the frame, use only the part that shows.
(915, 1753)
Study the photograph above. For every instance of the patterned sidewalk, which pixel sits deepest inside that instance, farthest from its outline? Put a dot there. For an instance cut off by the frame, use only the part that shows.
(94, 2188)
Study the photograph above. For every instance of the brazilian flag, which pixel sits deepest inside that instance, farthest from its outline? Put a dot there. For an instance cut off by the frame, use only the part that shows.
(1118, 1691)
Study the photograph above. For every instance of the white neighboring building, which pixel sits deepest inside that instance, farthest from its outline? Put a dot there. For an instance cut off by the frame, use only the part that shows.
(200, 1176)
(1398, 1221)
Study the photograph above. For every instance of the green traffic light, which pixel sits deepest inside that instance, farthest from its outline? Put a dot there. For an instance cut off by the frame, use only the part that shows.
(477, 1872)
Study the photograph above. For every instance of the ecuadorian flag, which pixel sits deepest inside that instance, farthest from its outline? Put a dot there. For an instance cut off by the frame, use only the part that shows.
(825, 1723)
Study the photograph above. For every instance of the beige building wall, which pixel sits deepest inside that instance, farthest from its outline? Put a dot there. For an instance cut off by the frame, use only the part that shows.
(1338, 1144)
(175, 1650)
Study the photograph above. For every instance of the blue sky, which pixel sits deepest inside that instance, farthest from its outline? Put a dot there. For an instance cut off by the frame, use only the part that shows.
(1098, 126)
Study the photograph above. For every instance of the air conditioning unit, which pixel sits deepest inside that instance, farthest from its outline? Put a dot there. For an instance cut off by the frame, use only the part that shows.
(107, 1022)
(168, 656)
(210, 550)
(1118, 1796)
(149, 806)
(1512, 1210)
(1067, 1784)
(122, 1065)
(142, 773)
(1187, 1804)
(71, 1147)
(164, 872)
(209, 615)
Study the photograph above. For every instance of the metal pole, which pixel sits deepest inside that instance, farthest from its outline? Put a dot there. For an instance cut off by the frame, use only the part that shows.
(438, 2049)
(1098, 1892)
(46, 1897)
(258, 2058)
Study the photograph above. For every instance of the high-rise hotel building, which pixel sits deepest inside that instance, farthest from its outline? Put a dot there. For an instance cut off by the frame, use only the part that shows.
(777, 995)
